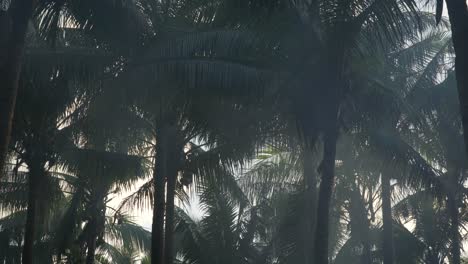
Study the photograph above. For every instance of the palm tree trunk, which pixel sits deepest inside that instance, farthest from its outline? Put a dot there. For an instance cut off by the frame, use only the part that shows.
(458, 14)
(324, 198)
(93, 233)
(172, 173)
(454, 225)
(367, 252)
(310, 202)
(360, 222)
(35, 174)
(5, 245)
(452, 207)
(366, 242)
(21, 12)
(159, 172)
(169, 233)
(388, 248)
(91, 245)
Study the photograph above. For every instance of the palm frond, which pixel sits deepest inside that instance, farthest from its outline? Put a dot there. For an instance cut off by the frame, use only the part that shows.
(129, 234)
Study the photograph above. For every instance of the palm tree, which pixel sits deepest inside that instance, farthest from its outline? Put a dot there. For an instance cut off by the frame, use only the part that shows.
(87, 15)
(97, 170)
(337, 34)
(99, 174)
(200, 96)
(16, 208)
(225, 234)
(457, 11)
(432, 224)
(194, 162)
(446, 129)
(387, 220)
(371, 78)
(35, 148)
(18, 15)
(36, 125)
(178, 117)
(55, 238)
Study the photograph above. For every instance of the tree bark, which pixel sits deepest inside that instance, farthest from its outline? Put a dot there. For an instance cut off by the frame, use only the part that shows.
(452, 190)
(454, 234)
(159, 172)
(360, 223)
(91, 242)
(310, 203)
(169, 233)
(388, 247)
(325, 195)
(458, 15)
(366, 257)
(35, 173)
(20, 13)
(91, 251)
(172, 173)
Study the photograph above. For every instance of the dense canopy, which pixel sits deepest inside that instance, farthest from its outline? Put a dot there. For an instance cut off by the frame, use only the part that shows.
(233, 131)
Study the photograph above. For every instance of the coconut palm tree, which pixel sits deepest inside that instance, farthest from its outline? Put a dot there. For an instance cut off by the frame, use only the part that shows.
(98, 175)
(225, 234)
(446, 127)
(37, 133)
(86, 15)
(17, 15)
(198, 93)
(457, 12)
(55, 238)
(178, 72)
(96, 169)
(194, 164)
(337, 34)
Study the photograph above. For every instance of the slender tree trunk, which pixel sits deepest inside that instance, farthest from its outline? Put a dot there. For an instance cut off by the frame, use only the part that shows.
(325, 195)
(5, 245)
(92, 236)
(360, 222)
(169, 234)
(91, 248)
(35, 173)
(454, 225)
(159, 172)
(452, 208)
(458, 14)
(310, 203)
(367, 252)
(20, 13)
(366, 243)
(5, 29)
(388, 248)
(172, 173)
